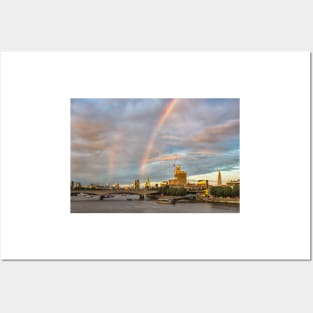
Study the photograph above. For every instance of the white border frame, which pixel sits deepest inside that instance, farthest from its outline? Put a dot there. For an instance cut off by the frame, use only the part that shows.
(274, 92)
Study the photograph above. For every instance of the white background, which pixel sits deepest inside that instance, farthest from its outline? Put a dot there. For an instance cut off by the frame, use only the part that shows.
(273, 88)
(141, 286)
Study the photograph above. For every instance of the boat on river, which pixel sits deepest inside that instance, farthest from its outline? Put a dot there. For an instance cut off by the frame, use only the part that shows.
(166, 201)
(85, 197)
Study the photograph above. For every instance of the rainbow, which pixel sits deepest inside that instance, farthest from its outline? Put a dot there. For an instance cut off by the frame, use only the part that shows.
(170, 106)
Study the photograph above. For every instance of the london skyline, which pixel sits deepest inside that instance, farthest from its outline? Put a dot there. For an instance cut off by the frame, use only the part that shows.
(119, 140)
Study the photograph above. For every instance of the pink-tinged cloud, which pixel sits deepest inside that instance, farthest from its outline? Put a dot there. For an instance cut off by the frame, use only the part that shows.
(204, 153)
(217, 133)
(168, 157)
(88, 130)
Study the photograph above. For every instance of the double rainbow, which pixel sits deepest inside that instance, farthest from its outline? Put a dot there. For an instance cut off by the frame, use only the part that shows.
(170, 106)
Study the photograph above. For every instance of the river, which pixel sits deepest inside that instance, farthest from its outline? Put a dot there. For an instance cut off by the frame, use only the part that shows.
(131, 204)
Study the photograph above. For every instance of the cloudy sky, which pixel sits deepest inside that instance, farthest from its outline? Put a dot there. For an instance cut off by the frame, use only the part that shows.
(119, 140)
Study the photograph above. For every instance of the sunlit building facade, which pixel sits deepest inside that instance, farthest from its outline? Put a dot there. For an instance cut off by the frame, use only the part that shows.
(233, 183)
(180, 177)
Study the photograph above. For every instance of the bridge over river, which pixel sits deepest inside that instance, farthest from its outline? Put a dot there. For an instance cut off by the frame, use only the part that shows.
(105, 192)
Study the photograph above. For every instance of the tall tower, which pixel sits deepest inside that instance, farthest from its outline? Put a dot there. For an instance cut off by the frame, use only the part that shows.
(180, 177)
(147, 184)
(219, 178)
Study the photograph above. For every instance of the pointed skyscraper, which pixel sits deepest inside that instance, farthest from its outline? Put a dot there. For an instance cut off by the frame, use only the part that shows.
(219, 178)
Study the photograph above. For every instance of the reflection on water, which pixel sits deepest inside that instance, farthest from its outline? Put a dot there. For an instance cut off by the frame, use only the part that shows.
(131, 204)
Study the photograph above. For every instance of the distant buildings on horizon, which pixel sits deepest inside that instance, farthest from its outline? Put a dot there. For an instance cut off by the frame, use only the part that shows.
(180, 180)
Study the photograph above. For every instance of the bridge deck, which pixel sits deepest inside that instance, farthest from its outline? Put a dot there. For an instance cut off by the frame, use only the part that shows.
(119, 191)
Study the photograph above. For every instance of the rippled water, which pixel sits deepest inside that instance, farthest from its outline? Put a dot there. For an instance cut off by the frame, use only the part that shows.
(120, 204)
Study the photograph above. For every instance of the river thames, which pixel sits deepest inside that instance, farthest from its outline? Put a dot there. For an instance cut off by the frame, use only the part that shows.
(131, 204)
